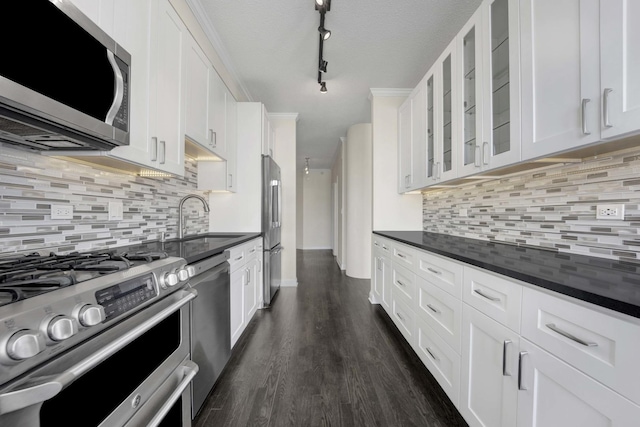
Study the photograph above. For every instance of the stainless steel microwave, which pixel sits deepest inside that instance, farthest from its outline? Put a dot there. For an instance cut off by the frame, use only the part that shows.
(64, 83)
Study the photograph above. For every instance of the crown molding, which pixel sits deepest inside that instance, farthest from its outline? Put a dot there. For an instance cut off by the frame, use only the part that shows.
(383, 92)
(291, 116)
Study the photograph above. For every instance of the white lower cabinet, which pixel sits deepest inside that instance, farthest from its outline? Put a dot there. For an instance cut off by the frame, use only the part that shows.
(553, 394)
(506, 353)
(489, 380)
(245, 263)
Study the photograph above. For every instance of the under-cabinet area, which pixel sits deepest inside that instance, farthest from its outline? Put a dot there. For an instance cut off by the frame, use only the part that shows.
(508, 352)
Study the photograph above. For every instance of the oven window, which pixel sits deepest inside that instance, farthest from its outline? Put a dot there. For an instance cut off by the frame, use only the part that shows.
(174, 416)
(92, 397)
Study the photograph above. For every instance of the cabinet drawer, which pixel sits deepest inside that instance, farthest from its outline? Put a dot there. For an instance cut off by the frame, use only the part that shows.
(604, 347)
(403, 255)
(445, 274)
(441, 311)
(403, 316)
(441, 360)
(403, 281)
(382, 244)
(237, 257)
(494, 296)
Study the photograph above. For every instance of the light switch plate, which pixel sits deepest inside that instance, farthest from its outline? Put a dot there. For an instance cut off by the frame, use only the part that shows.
(115, 211)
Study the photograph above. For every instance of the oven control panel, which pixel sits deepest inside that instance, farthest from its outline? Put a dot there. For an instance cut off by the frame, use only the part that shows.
(125, 296)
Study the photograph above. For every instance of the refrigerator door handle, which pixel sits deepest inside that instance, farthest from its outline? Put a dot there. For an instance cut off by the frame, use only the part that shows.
(279, 203)
(273, 203)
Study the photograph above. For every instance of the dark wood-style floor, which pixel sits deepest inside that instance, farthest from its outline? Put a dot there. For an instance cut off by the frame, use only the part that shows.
(322, 355)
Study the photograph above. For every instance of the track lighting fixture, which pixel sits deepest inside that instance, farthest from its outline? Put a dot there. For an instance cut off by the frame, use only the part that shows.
(306, 166)
(324, 33)
(322, 6)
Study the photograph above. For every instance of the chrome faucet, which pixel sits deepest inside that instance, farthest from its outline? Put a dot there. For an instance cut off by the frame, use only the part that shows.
(180, 217)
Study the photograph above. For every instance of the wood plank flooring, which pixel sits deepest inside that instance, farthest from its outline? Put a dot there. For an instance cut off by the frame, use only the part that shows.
(322, 355)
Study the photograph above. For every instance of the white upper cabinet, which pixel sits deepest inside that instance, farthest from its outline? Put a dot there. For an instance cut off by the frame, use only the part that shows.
(268, 135)
(165, 121)
(405, 163)
(489, 76)
(501, 80)
(620, 66)
(207, 102)
(232, 142)
(447, 121)
(561, 100)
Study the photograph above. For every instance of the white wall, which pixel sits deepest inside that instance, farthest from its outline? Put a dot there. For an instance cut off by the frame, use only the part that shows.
(391, 211)
(299, 210)
(285, 156)
(316, 204)
(358, 201)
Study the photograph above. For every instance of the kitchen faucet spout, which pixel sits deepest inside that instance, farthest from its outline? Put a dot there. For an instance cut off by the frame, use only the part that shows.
(181, 217)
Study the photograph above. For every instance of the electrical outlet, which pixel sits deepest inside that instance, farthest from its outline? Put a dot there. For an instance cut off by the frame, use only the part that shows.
(116, 211)
(610, 212)
(61, 212)
(463, 213)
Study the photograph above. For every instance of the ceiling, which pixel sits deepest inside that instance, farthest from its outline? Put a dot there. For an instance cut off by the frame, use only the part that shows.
(271, 47)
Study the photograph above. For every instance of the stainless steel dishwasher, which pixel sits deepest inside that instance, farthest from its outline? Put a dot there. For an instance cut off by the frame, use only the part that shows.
(210, 326)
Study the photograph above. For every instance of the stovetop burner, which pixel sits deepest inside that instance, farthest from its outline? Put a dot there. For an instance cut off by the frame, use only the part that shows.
(25, 276)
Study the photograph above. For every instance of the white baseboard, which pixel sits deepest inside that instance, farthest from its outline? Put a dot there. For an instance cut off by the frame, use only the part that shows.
(372, 299)
(290, 283)
(316, 248)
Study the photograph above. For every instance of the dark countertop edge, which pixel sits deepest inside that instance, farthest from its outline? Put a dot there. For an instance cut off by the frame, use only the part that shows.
(595, 299)
(219, 249)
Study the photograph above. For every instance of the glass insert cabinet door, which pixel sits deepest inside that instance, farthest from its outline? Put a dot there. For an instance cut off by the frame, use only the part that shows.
(501, 135)
(447, 137)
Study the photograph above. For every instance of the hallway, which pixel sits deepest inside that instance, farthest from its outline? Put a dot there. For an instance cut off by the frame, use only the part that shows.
(324, 356)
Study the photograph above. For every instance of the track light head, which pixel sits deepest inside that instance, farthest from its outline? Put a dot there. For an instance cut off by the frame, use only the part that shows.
(323, 66)
(323, 87)
(320, 3)
(324, 33)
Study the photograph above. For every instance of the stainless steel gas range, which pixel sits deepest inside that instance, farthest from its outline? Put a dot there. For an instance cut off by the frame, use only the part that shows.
(96, 339)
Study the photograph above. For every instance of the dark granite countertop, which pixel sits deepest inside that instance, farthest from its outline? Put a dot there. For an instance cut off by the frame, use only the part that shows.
(604, 282)
(197, 247)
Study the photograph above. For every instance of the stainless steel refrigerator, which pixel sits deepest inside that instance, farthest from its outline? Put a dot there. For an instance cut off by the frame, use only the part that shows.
(271, 225)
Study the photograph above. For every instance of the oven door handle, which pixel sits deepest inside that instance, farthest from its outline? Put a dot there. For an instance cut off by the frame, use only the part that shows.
(190, 370)
(32, 395)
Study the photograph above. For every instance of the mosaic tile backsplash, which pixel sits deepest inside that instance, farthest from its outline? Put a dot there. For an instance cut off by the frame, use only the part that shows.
(30, 183)
(553, 208)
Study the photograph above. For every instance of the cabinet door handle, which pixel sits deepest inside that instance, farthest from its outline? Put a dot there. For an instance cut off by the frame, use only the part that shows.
(154, 148)
(407, 181)
(230, 180)
(400, 255)
(399, 316)
(434, 271)
(605, 108)
(163, 152)
(248, 275)
(476, 160)
(482, 294)
(435, 310)
(485, 153)
(585, 129)
(433, 356)
(400, 283)
(214, 138)
(566, 334)
(520, 357)
(505, 343)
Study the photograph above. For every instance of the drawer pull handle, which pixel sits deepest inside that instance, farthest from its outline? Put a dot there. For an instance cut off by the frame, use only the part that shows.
(400, 255)
(399, 316)
(376, 244)
(384, 247)
(482, 294)
(433, 356)
(504, 358)
(400, 283)
(239, 258)
(520, 357)
(565, 334)
(435, 310)
(252, 250)
(434, 271)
